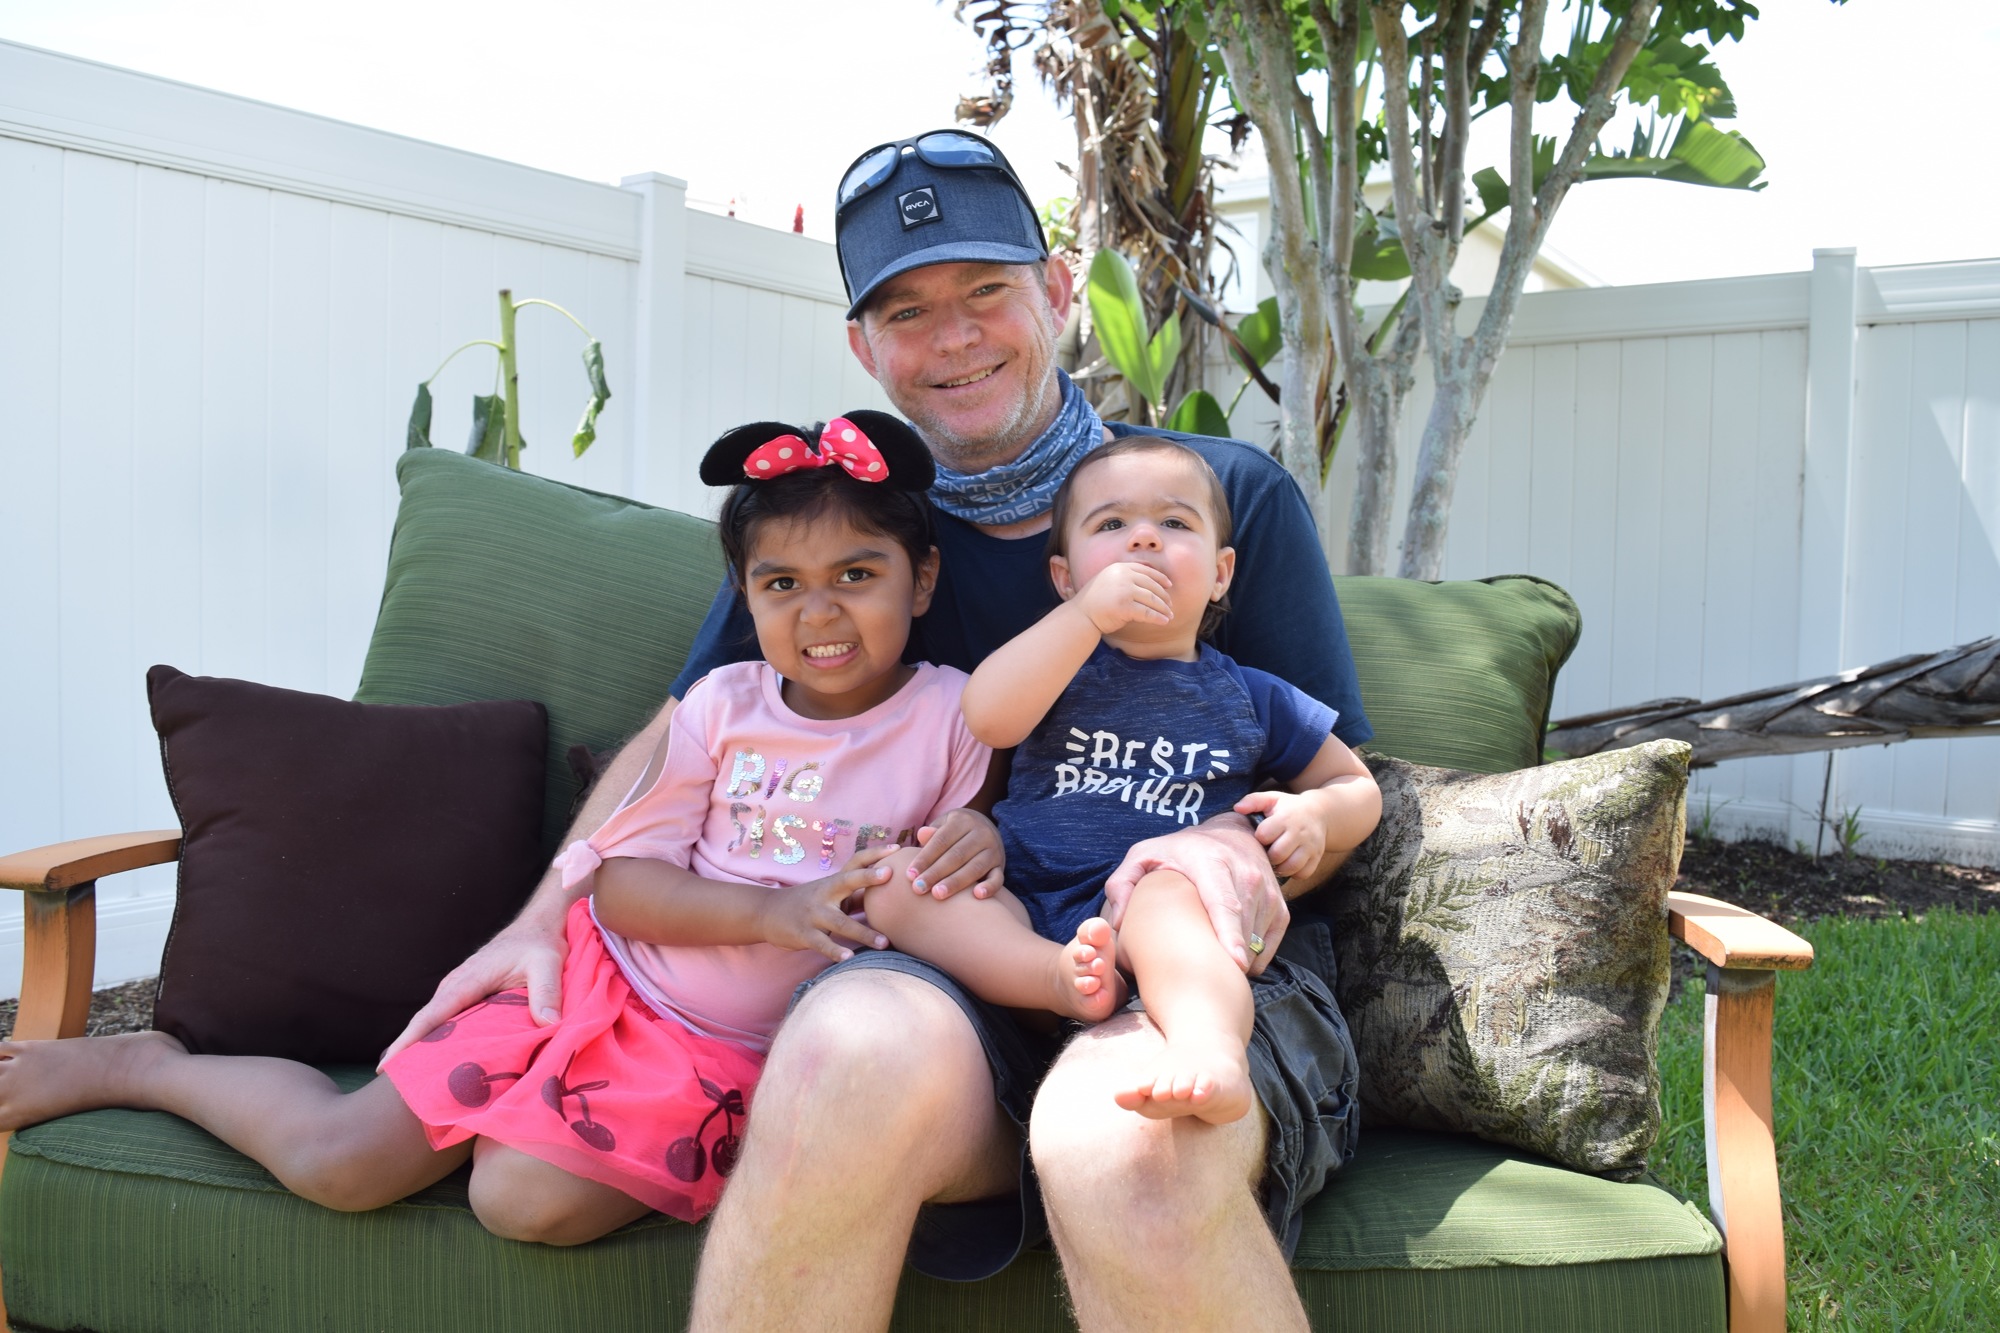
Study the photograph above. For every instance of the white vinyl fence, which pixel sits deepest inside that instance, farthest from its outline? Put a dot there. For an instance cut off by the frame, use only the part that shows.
(1746, 482)
(213, 315)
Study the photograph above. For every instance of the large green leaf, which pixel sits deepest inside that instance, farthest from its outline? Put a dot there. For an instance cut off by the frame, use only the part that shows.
(1378, 249)
(489, 427)
(1200, 414)
(1260, 333)
(600, 394)
(1701, 155)
(1161, 353)
(1120, 320)
(419, 436)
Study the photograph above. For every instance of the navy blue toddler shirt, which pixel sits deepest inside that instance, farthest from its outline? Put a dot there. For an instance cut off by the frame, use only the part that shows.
(1131, 750)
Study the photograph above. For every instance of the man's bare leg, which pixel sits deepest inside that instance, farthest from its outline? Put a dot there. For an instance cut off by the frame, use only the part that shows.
(1157, 1221)
(877, 1098)
(1197, 997)
(993, 951)
(351, 1151)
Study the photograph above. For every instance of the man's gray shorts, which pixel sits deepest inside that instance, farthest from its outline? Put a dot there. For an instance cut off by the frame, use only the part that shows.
(1301, 1065)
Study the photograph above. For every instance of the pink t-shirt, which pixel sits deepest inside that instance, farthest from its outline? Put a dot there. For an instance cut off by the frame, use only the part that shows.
(755, 793)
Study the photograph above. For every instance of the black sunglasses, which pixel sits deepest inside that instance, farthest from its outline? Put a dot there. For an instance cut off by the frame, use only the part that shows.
(940, 148)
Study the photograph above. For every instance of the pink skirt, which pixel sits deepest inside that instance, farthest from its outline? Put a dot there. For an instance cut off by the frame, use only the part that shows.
(613, 1092)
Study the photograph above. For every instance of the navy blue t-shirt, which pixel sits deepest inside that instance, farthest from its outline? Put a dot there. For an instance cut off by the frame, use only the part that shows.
(1133, 749)
(1284, 618)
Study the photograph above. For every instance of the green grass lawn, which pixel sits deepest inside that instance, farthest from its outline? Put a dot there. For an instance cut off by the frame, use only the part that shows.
(1887, 1102)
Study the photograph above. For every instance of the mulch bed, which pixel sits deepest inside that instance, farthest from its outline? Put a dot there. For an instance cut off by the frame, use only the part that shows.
(1780, 883)
(1790, 887)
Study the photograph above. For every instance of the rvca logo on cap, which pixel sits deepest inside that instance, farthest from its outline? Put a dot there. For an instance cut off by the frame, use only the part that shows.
(918, 207)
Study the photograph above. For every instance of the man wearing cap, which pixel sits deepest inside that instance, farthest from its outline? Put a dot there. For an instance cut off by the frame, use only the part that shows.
(897, 1114)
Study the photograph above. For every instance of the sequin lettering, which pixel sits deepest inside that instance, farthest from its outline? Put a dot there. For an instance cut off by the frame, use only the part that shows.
(745, 773)
(789, 852)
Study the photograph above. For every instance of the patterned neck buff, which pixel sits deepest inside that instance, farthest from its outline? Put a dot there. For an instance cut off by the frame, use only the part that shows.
(1026, 487)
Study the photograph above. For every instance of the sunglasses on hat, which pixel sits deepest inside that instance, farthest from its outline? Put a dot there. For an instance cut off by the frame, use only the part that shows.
(949, 149)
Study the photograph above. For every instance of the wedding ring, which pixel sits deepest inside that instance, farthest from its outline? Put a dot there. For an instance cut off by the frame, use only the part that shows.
(1256, 942)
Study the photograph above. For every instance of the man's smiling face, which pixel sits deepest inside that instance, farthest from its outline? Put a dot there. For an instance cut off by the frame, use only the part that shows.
(967, 352)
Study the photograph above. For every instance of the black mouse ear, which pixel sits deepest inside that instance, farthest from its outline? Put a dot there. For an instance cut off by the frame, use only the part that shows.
(722, 465)
(909, 458)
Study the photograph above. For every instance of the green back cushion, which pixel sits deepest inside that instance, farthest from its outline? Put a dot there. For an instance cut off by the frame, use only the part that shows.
(1459, 675)
(505, 586)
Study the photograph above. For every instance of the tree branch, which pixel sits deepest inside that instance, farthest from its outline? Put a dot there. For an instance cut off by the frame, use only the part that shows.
(1429, 280)
(1428, 174)
(1341, 39)
(1257, 49)
(1457, 122)
(1482, 43)
(1527, 228)
(1524, 67)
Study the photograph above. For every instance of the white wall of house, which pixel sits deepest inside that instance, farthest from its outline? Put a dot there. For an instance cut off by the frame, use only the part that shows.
(214, 313)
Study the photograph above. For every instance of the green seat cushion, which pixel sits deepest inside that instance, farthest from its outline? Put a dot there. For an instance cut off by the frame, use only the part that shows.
(1459, 674)
(502, 585)
(136, 1222)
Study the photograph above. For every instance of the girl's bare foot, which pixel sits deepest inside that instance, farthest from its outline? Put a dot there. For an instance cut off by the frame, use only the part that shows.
(40, 1080)
(1205, 1075)
(1087, 984)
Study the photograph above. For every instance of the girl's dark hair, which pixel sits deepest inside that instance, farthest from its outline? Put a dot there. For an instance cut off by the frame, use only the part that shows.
(1218, 503)
(903, 517)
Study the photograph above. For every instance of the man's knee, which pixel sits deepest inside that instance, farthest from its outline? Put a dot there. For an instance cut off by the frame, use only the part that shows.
(874, 1038)
(1163, 1180)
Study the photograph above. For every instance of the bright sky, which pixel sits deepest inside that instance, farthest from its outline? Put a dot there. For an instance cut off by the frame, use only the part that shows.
(1872, 116)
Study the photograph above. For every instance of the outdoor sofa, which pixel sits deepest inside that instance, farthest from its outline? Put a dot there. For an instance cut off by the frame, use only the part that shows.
(498, 586)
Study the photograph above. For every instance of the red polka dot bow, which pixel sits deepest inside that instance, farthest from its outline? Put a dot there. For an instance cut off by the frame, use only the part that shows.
(840, 443)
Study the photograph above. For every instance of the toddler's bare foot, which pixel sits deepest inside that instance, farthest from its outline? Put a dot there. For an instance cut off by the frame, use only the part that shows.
(40, 1080)
(1205, 1075)
(1086, 980)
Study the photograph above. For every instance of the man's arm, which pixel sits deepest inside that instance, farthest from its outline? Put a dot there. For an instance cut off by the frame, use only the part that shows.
(529, 951)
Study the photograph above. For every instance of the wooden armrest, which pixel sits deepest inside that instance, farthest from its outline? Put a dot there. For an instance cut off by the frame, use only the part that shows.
(59, 914)
(1733, 937)
(1744, 953)
(64, 865)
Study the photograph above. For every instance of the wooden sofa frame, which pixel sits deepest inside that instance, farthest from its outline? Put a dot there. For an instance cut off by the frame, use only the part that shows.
(1744, 952)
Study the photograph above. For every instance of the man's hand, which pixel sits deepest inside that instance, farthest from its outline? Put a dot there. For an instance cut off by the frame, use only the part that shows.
(962, 851)
(1231, 873)
(1123, 593)
(812, 915)
(529, 953)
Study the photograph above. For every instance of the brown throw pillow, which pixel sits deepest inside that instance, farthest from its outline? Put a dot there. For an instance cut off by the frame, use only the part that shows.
(1503, 951)
(337, 859)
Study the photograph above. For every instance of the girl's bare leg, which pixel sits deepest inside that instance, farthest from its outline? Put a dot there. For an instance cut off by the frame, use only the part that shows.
(1199, 998)
(988, 945)
(350, 1151)
(519, 1197)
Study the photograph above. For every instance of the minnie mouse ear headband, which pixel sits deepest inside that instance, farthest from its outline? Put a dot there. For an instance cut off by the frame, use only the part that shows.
(868, 446)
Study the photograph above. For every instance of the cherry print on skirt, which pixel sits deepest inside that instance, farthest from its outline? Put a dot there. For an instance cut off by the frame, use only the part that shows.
(635, 1095)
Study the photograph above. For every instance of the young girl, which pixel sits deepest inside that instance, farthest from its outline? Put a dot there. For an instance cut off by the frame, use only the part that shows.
(782, 788)
(1129, 726)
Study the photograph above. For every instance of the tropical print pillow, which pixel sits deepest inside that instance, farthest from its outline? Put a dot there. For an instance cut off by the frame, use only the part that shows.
(1503, 951)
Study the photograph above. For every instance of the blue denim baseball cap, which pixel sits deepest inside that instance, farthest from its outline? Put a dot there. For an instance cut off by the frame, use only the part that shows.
(941, 198)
